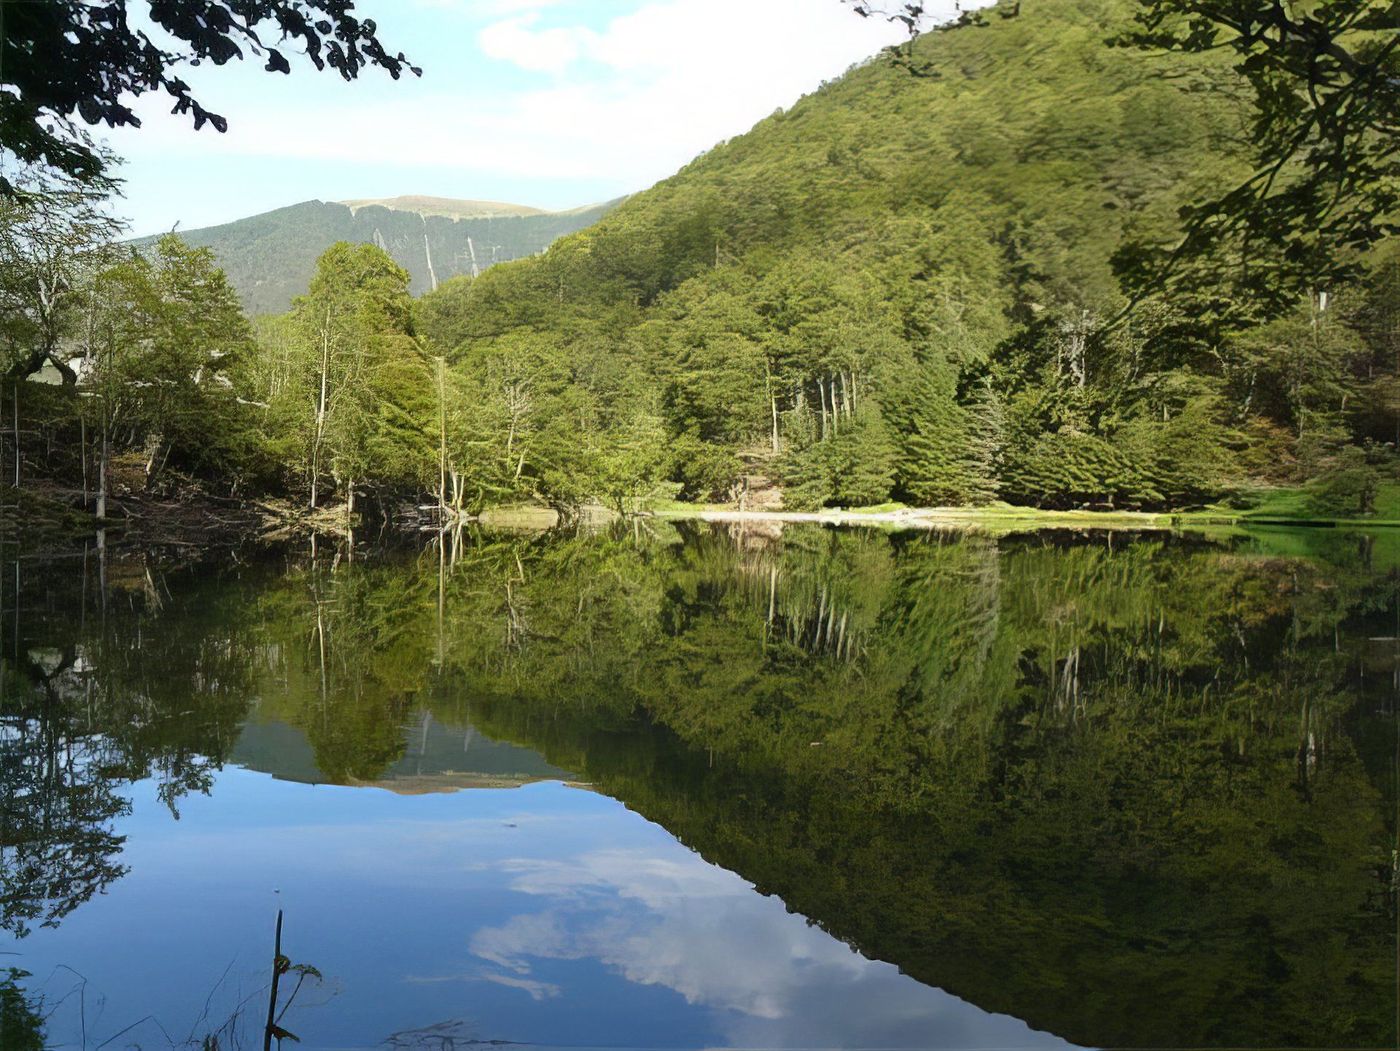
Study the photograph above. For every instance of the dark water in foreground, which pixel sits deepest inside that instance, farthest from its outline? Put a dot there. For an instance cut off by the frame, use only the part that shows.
(660, 788)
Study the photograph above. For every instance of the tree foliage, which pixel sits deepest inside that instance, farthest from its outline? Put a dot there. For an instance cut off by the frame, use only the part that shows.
(106, 62)
(1324, 132)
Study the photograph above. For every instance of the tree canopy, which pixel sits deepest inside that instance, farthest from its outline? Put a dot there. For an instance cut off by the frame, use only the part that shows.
(904, 288)
(1324, 84)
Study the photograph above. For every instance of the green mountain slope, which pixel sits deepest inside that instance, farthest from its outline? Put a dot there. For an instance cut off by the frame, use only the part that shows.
(270, 257)
(903, 287)
(1032, 154)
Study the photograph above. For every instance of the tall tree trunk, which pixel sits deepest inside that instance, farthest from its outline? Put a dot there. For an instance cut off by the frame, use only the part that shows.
(103, 459)
(442, 441)
(821, 388)
(66, 371)
(152, 470)
(83, 453)
(321, 409)
(18, 458)
(772, 401)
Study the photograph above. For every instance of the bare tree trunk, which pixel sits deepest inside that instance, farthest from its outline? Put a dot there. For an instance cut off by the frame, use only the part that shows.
(152, 456)
(103, 461)
(66, 371)
(442, 441)
(428, 251)
(321, 409)
(83, 453)
(772, 400)
(821, 388)
(18, 458)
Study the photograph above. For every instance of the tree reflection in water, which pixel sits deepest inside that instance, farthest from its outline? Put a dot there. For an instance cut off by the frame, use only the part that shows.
(1137, 790)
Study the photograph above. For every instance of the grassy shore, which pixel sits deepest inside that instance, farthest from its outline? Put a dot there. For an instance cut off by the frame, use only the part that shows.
(1274, 507)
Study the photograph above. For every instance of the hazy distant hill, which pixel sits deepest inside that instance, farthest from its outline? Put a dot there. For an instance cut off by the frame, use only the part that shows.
(270, 257)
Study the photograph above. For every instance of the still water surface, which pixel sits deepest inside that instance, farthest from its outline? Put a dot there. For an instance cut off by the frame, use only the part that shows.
(698, 788)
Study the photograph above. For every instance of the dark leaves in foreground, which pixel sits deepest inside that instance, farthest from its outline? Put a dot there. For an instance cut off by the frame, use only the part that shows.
(106, 62)
(1325, 134)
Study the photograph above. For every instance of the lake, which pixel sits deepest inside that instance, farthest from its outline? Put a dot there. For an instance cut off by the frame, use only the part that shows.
(691, 786)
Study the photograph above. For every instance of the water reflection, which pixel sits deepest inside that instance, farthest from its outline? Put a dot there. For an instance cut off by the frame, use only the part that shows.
(771, 979)
(1131, 790)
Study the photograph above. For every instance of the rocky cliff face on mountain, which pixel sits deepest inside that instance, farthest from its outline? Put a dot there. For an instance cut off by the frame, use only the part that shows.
(270, 257)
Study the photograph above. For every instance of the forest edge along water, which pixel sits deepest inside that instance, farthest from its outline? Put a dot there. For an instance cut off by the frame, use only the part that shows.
(921, 576)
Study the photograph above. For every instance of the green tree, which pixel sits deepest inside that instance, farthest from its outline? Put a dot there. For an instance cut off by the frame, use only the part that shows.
(1325, 81)
(54, 234)
(360, 395)
(634, 462)
(159, 340)
(949, 451)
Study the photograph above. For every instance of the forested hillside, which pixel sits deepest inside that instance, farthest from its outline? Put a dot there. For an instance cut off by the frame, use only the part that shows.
(904, 287)
(270, 257)
(907, 287)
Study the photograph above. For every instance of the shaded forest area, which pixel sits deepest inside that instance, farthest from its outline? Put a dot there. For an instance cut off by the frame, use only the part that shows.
(907, 287)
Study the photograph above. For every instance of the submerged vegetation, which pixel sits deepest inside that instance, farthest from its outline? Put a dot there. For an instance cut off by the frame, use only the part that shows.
(906, 288)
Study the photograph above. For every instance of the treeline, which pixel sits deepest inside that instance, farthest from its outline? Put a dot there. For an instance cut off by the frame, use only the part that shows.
(908, 288)
(158, 383)
(905, 288)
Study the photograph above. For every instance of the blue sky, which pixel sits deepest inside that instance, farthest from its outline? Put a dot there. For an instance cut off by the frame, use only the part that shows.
(551, 103)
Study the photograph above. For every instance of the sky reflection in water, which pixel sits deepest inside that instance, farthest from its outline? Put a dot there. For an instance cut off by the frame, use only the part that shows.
(545, 914)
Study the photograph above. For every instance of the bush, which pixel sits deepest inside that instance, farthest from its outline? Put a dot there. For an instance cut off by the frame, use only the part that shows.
(1184, 460)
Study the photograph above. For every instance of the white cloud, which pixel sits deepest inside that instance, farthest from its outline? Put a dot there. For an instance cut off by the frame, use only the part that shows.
(630, 102)
(523, 43)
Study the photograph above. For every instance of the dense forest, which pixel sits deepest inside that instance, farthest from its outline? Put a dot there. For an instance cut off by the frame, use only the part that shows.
(912, 285)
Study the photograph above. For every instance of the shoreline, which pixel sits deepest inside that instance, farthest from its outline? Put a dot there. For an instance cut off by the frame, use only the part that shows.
(46, 516)
(1011, 518)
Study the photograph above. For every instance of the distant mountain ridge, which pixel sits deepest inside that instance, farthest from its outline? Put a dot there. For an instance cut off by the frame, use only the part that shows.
(448, 207)
(271, 257)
